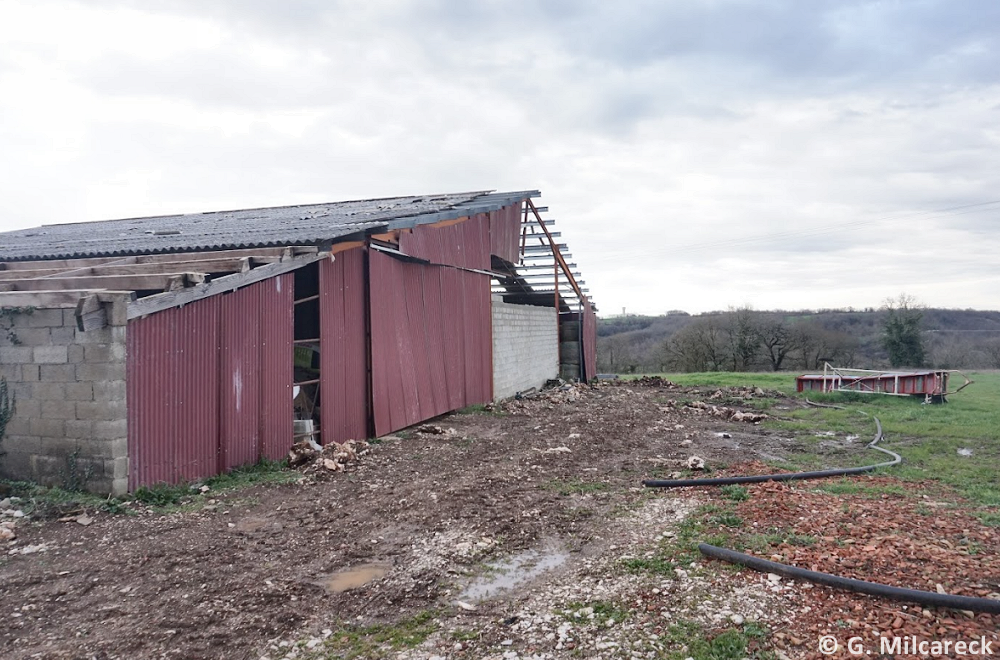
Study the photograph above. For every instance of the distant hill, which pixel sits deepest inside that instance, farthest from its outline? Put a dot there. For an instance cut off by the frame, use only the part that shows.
(678, 341)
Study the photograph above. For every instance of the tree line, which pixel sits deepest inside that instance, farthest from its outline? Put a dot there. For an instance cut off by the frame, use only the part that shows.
(743, 339)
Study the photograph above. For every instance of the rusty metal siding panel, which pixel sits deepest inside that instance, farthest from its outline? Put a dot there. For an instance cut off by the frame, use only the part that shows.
(431, 337)
(277, 333)
(343, 348)
(172, 364)
(239, 378)
(466, 243)
(209, 385)
(505, 232)
(453, 334)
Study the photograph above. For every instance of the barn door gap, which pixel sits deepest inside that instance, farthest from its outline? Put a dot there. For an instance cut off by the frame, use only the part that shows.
(307, 353)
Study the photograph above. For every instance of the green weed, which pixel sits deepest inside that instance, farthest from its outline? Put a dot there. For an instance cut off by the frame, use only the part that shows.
(379, 640)
(735, 493)
(576, 486)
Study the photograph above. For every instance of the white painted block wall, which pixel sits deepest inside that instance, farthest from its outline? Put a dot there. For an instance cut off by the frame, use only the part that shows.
(525, 347)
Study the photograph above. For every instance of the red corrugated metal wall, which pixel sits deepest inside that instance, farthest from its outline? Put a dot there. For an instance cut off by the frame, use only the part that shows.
(589, 341)
(209, 384)
(343, 348)
(505, 232)
(465, 243)
(431, 340)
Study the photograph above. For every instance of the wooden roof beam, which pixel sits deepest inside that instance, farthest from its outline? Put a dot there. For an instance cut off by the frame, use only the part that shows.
(162, 282)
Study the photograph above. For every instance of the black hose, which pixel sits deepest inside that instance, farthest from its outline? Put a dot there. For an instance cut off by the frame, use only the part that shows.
(990, 605)
(785, 476)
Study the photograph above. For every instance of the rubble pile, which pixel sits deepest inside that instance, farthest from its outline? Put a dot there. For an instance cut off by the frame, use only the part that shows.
(727, 413)
(334, 457)
(642, 381)
(744, 393)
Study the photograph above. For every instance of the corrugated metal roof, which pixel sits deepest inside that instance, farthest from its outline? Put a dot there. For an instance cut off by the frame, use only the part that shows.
(310, 224)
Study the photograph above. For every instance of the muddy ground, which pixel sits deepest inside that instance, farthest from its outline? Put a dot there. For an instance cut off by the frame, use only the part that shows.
(550, 485)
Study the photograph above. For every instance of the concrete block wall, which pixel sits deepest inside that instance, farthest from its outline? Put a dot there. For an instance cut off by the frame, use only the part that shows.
(69, 424)
(525, 347)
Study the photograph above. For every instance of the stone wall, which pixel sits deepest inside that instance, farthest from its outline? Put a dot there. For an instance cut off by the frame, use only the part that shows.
(69, 424)
(525, 347)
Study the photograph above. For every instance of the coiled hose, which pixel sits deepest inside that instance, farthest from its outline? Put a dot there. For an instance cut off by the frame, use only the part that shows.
(929, 598)
(788, 476)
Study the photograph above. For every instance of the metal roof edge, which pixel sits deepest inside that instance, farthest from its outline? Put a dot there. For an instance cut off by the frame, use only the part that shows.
(482, 204)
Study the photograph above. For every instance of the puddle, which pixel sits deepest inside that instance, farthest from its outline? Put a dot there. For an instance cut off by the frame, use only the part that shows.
(354, 577)
(509, 573)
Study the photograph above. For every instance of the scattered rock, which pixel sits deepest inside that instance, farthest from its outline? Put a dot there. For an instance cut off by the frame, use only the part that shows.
(696, 463)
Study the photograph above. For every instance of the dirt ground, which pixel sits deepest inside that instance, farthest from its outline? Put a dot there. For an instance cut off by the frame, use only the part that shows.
(552, 485)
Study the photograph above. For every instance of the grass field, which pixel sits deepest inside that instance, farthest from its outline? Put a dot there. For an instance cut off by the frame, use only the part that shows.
(927, 436)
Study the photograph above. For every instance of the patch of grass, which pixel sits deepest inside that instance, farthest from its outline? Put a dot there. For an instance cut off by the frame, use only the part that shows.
(989, 519)
(481, 409)
(264, 471)
(726, 519)
(602, 611)
(690, 640)
(577, 486)
(735, 493)
(784, 382)
(379, 640)
(461, 635)
(928, 437)
(765, 541)
(53, 502)
(161, 495)
(656, 565)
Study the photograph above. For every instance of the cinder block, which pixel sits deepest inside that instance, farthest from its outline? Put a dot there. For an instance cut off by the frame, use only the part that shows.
(47, 428)
(112, 390)
(117, 313)
(27, 407)
(17, 466)
(110, 430)
(99, 336)
(16, 354)
(75, 353)
(80, 391)
(20, 391)
(57, 373)
(45, 318)
(81, 429)
(62, 335)
(95, 449)
(116, 468)
(117, 352)
(118, 487)
(100, 372)
(94, 353)
(29, 373)
(16, 426)
(25, 444)
(61, 409)
(69, 318)
(45, 391)
(100, 410)
(119, 447)
(10, 371)
(33, 336)
(51, 355)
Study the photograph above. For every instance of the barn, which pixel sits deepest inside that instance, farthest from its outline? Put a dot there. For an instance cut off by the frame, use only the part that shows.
(173, 348)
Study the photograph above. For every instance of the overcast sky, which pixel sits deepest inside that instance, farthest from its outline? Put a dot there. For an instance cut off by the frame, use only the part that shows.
(695, 154)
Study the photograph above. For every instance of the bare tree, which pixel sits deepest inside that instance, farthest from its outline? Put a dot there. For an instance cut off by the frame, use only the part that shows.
(743, 338)
(697, 347)
(778, 341)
